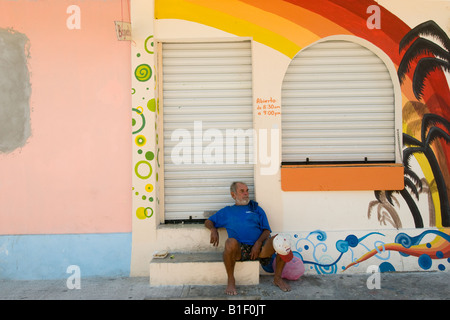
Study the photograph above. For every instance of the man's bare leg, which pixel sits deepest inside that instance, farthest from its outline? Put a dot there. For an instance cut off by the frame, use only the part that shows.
(231, 253)
(267, 251)
(277, 280)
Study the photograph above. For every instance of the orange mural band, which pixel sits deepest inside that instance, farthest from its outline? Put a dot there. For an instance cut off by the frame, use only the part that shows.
(347, 177)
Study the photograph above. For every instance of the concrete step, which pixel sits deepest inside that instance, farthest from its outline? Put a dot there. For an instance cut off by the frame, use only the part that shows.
(187, 238)
(200, 268)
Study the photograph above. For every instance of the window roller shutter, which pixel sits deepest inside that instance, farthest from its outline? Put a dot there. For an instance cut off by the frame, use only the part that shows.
(207, 89)
(337, 105)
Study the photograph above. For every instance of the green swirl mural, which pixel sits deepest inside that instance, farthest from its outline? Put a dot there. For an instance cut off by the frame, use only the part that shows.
(143, 168)
(143, 72)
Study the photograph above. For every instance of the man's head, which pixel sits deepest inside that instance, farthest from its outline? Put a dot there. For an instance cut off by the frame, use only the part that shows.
(239, 192)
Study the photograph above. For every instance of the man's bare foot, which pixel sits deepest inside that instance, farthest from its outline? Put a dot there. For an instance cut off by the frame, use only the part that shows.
(279, 282)
(231, 288)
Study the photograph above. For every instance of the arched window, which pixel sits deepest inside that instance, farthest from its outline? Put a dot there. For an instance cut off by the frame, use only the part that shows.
(339, 107)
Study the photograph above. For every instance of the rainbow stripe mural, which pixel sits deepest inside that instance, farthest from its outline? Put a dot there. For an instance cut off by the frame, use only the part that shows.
(288, 26)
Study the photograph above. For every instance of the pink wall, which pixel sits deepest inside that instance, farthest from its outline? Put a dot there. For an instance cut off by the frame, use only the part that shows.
(74, 173)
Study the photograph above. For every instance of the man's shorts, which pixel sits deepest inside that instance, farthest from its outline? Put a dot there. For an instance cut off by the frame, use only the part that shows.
(246, 250)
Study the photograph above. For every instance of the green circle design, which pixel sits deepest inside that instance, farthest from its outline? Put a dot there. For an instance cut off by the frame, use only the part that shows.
(143, 120)
(145, 212)
(149, 155)
(143, 72)
(145, 45)
(151, 105)
(137, 166)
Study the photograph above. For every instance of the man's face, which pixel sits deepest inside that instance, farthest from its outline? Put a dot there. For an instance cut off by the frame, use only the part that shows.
(241, 195)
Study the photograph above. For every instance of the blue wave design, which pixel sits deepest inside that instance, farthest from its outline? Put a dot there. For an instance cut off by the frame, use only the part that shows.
(407, 241)
(369, 234)
(352, 241)
(343, 246)
(324, 265)
(321, 235)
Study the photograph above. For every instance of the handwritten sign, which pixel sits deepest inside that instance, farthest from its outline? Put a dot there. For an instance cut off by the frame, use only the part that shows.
(123, 30)
(268, 107)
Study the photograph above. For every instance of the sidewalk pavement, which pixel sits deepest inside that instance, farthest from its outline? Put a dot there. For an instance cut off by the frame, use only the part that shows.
(392, 286)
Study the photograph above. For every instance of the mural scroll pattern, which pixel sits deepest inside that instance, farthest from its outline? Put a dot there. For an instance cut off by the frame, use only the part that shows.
(142, 118)
(430, 249)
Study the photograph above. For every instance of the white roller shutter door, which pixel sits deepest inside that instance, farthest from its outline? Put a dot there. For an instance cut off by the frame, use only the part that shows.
(207, 90)
(337, 106)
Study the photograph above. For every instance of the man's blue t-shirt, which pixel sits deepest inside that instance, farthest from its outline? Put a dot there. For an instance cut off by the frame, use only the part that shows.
(244, 223)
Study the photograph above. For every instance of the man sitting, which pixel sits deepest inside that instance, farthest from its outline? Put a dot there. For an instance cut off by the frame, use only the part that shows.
(248, 236)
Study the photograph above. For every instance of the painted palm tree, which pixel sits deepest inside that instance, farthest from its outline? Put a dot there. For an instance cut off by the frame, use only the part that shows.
(432, 129)
(385, 208)
(415, 185)
(386, 202)
(419, 47)
(430, 57)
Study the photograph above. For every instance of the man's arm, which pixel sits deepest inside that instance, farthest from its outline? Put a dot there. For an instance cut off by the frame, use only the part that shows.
(214, 234)
(256, 249)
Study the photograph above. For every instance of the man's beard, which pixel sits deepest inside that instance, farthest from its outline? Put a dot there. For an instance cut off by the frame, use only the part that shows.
(242, 202)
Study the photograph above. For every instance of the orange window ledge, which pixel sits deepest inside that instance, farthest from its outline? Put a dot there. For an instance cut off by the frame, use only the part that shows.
(342, 177)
